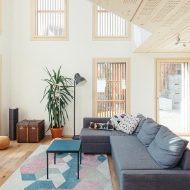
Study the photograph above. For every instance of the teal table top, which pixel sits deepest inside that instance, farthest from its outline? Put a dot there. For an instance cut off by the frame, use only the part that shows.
(64, 146)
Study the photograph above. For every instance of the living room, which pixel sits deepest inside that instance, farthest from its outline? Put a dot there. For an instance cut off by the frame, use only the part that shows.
(24, 60)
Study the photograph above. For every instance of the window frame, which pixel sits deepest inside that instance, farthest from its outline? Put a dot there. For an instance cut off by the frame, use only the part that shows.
(106, 38)
(94, 81)
(48, 38)
(158, 61)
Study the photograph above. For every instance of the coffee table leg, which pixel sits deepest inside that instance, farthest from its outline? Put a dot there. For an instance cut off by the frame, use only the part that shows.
(47, 165)
(78, 164)
(54, 158)
(80, 156)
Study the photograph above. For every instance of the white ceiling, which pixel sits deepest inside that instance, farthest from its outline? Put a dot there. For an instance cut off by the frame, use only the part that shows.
(165, 19)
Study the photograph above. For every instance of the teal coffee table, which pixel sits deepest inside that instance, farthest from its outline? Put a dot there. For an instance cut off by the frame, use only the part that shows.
(65, 146)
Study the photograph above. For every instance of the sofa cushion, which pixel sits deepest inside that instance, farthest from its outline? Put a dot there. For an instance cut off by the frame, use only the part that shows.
(128, 124)
(167, 148)
(129, 153)
(140, 124)
(185, 160)
(115, 120)
(101, 126)
(148, 131)
(98, 136)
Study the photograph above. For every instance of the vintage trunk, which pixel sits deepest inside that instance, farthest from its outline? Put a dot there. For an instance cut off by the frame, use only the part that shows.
(30, 131)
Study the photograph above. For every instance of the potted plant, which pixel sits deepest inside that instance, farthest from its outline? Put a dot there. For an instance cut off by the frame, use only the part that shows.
(58, 97)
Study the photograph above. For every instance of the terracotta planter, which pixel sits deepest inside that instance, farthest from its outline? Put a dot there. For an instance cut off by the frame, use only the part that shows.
(57, 132)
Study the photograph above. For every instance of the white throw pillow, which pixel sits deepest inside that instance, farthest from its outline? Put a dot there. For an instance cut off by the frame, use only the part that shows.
(128, 124)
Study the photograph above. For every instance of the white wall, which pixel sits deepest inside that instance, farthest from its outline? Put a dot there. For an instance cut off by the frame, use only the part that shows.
(28, 58)
(5, 39)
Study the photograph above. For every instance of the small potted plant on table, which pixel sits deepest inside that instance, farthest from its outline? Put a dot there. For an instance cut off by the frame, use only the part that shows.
(58, 97)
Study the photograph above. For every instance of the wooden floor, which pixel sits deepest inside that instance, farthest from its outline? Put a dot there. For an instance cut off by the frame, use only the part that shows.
(12, 157)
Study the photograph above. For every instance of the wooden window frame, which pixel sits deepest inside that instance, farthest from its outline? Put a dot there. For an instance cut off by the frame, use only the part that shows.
(48, 38)
(157, 85)
(94, 79)
(106, 38)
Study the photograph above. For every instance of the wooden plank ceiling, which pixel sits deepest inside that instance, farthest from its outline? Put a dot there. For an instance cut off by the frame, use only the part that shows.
(165, 19)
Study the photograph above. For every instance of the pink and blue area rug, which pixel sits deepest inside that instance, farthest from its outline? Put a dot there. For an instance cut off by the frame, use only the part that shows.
(94, 173)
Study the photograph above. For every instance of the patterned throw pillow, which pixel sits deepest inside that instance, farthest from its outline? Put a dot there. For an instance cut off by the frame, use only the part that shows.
(128, 124)
(115, 120)
(101, 126)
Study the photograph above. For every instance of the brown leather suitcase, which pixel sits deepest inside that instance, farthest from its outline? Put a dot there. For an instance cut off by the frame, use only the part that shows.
(30, 131)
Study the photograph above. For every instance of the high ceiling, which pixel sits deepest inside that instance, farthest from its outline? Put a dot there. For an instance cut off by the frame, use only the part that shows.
(165, 19)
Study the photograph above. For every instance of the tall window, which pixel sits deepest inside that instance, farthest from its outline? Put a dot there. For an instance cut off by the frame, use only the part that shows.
(173, 94)
(109, 26)
(49, 19)
(111, 87)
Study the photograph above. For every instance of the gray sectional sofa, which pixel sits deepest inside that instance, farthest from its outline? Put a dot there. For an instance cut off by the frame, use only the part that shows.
(137, 165)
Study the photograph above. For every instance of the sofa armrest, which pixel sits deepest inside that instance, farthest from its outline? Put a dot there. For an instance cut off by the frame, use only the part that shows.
(155, 179)
(87, 120)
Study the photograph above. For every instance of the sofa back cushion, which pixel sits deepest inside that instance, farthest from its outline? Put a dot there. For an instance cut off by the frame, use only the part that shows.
(148, 131)
(185, 160)
(167, 148)
(140, 124)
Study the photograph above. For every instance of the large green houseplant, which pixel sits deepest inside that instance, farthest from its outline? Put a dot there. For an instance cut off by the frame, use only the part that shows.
(58, 97)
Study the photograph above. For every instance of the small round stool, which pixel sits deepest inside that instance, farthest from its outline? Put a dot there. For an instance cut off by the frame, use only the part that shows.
(4, 142)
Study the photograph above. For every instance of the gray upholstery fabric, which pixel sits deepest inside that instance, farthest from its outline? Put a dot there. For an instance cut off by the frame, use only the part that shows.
(99, 136)
(167, 148)
(135, 168)
(154, 180)
(148, 131)
(139, 126)
(97, 141)
(130, 154)
(96, 148)
(185, 160)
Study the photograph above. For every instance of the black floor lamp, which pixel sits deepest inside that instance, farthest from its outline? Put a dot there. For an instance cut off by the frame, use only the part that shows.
(78, 81)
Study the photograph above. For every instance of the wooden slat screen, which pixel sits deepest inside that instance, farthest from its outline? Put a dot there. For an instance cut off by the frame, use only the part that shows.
(111, 89)
(110, 25)
(50, 18)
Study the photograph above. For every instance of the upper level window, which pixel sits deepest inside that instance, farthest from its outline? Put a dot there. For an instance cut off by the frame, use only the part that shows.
(49, 19)
(109, 26)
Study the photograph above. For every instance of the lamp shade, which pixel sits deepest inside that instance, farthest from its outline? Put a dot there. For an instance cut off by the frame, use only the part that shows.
(79, 80)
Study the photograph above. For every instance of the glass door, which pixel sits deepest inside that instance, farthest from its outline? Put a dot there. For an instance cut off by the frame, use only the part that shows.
(173, 95)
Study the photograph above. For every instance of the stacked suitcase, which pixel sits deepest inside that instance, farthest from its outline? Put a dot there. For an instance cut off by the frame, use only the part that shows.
(30, 131)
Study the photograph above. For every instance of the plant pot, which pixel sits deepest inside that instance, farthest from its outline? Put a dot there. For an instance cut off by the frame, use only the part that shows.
(57, 132)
